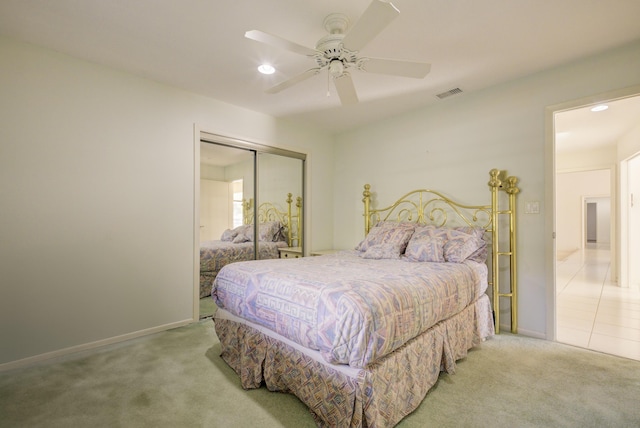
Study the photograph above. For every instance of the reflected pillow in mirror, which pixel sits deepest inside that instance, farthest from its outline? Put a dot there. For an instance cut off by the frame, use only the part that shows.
(231, 234)
(240, 238)
(270, 231)
(228, 235)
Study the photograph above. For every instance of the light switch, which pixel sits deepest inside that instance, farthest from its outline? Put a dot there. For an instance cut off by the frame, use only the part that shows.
(532, 207)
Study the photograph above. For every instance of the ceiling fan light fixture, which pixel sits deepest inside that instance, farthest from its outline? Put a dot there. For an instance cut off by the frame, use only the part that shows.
(266, 69)
(337, 51)
(336, 68)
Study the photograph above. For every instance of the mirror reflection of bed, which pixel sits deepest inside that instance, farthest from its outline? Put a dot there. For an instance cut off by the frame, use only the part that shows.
(228, 214)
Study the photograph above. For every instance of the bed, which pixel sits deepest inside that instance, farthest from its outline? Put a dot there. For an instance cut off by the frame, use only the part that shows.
(278, 228)
(360, 336)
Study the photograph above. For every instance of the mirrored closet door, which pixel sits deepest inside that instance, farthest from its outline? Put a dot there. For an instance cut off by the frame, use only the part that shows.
(249, 194)
(280, 184)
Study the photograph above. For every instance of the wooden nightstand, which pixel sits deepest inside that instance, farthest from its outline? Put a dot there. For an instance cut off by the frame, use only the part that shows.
(290, 252)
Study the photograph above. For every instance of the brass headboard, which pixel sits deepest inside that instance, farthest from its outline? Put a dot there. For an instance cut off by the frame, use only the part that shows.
(269, 211)
(431, 207)
(425, 206)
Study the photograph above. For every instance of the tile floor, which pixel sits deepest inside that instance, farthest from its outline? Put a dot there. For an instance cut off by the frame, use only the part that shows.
(591, 311)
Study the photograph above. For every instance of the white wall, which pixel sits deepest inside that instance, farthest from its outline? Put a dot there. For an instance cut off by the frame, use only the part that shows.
(604, 157)
(629, 143)
(603, 220)
(211, 172)
(452, 146)
(97, 199)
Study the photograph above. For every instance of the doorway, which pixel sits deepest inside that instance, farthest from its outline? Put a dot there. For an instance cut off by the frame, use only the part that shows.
(592, 222)
(587, 253)
(597, 220)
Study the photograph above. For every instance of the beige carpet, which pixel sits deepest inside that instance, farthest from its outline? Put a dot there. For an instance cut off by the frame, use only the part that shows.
(207, 307)
(176, 379)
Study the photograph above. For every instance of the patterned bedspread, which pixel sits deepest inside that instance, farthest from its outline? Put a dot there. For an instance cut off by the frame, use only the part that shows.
(353, 310)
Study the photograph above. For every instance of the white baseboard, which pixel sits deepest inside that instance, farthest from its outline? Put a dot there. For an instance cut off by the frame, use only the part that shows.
(30, 361)
(524, 332)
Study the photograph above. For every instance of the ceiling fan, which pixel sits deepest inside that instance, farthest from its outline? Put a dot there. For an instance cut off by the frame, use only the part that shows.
(337, 52)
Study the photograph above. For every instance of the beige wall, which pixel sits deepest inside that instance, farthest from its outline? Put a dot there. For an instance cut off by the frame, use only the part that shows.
(452, 146)
(97, 199)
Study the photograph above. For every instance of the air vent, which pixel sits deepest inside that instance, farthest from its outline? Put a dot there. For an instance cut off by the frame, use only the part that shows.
(450, 92)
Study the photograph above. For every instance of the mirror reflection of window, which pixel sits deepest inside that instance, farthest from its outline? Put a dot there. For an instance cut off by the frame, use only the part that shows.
(237, 195)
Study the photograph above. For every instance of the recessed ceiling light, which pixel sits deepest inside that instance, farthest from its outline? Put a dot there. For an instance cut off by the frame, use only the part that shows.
(601, 107)
(266, 69)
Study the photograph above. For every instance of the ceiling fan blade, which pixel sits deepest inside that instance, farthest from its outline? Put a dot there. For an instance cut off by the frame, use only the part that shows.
(294, 80)
(346, 90)
(278, 42)
(378, 15)
(417, 70)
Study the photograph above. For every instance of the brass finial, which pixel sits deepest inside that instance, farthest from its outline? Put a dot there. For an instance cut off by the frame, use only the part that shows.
(494, 181)
(511, 186)
(366, 193)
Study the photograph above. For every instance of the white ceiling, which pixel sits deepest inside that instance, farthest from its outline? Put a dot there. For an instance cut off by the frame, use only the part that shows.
(199, 46)
(582, 129)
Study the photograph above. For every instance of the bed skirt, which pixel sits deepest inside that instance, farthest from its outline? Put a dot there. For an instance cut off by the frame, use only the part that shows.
(206, 283)
(341, 396)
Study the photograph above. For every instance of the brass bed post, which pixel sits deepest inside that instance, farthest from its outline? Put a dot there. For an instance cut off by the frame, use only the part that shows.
(299, 222)
(290, 225)
(366, 199)
(247, 211)
(494, 184)
(512, 190)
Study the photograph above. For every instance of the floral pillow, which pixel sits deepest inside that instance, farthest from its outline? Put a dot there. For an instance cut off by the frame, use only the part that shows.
(382, 251)
(392, 235)
(459, 243)
(424, 231)
(425, 248)
(230, 234)
(459, 247)
(480, 255)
